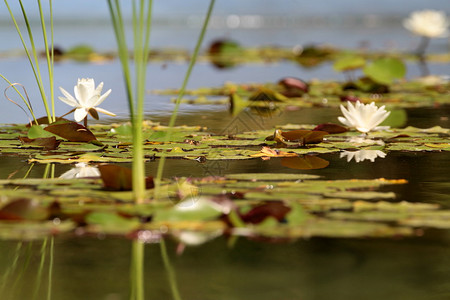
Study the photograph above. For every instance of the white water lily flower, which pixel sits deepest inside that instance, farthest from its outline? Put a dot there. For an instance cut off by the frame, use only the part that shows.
(428, 23)
(81, 170)
(362, 155)
(363, 117)
(87, 98)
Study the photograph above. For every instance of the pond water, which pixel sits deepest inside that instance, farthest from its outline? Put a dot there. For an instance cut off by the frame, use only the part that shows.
(69, 266)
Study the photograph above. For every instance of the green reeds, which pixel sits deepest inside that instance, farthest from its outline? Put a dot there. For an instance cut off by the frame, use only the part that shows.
(32, 54)
(142, 12)
(180, 95)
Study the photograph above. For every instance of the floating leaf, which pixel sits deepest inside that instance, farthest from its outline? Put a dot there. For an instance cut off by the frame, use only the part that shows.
(349, 62)
(237, 104)
(293, 87)
(265, 94)
(80, 52)
(302, 136)
(397, 118)
(38, 131)
(349, 98)
(297, 215)
(124, 129)
(369, 85)
(72, 131)
(49, 143)
(271, 176)
(44, 120)
(311, 56)
(223, 53)
(330, 128)
(268, 152)
(385, 70)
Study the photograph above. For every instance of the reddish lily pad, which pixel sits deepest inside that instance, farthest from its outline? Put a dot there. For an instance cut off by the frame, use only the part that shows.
(49, 143)
(71, 131)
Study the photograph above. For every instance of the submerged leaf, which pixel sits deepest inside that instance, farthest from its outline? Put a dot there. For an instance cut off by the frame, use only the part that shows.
(112, 222)
(23, 209)
(261, 212)
(119, 178)
(305, 162)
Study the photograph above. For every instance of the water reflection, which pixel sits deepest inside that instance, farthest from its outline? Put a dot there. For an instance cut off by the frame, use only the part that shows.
(362, 155)
(304, 162)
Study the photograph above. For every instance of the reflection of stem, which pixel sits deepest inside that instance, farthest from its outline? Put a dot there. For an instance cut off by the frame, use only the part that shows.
(25, 266)
(170, 271)
(424, 71)
(50, 269)
(11, 268)
(137, 271)
(40, 270)
(420, 52)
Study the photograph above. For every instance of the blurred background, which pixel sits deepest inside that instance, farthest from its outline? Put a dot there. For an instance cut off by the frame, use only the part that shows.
(372, 25)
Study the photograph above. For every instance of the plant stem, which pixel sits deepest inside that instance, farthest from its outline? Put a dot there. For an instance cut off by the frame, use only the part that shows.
(420, 51)
(27, 102)
(35, 65)
(119, 31)
(48, 53)
(173, 117)
(141, 34)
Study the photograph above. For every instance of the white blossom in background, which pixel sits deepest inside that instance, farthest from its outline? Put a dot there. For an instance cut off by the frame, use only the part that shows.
(428, 23)
(363, 117)
(81, 170)
(87, 98)
(362, 155)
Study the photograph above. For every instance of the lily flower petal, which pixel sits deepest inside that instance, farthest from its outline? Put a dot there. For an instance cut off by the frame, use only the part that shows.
(69, 100)
(363, 117)
(86, 99)
(102, 98)
(104, 111)
(80, 114)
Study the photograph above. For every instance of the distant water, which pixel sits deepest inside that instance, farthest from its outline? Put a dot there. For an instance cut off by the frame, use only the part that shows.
(85, 9)
(286, 23)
